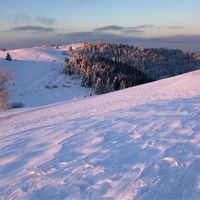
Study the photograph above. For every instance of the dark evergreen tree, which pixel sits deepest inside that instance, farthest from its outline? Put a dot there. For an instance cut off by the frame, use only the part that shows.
(70, 48)
(8, 57)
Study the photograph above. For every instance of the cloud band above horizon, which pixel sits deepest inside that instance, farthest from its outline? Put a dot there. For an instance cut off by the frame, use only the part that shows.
(32, 28)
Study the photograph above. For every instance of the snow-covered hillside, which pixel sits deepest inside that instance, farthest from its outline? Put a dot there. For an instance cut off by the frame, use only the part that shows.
(38, 69)
(138, 143)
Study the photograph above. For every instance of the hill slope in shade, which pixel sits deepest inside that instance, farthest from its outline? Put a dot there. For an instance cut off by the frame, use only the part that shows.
(38, 76)
(138, 143)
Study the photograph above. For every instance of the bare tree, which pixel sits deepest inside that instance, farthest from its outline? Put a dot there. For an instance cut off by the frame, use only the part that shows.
(57, 46)
(5, 77)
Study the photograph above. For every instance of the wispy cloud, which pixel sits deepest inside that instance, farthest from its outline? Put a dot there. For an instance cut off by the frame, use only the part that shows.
(33, 28)
(129, 30)
(143, 27)
(133, 29)
(109, 28)
(46, 20)
(176, 27)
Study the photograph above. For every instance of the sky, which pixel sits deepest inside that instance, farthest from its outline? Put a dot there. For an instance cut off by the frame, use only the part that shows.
(143, 23)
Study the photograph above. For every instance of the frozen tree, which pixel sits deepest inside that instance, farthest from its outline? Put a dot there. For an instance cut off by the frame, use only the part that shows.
(70, 48)
(106, 67)
(5, 77)
(99, 86)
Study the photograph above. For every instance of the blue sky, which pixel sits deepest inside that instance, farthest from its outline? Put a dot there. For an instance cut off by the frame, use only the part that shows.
(144, 23)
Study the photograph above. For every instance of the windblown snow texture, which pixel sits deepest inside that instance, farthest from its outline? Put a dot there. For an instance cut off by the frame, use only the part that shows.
(138, 143)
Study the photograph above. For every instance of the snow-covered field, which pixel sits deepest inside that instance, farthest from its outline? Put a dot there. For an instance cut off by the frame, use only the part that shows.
(138, 143)
(35, 70)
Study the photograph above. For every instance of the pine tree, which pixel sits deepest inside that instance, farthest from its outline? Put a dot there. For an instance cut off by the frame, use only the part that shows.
(8, 57)
(116, 83)
(98, 86)
(57, 46)
(70, 48)
(109, 86)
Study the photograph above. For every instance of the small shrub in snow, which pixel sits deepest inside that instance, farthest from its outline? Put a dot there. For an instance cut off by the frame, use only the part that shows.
(17, 105)
(54, 86)
(66, 59)
(51, 86)
(45, 46)
(65, 85)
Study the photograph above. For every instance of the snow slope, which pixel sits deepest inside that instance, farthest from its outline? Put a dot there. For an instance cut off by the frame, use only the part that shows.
(138, 143)
(35, 70)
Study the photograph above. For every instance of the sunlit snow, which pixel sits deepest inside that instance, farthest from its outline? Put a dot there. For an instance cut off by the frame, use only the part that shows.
(138, 143)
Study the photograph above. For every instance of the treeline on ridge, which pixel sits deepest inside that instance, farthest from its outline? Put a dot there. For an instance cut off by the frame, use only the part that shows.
(104, 74)
(108, 67)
